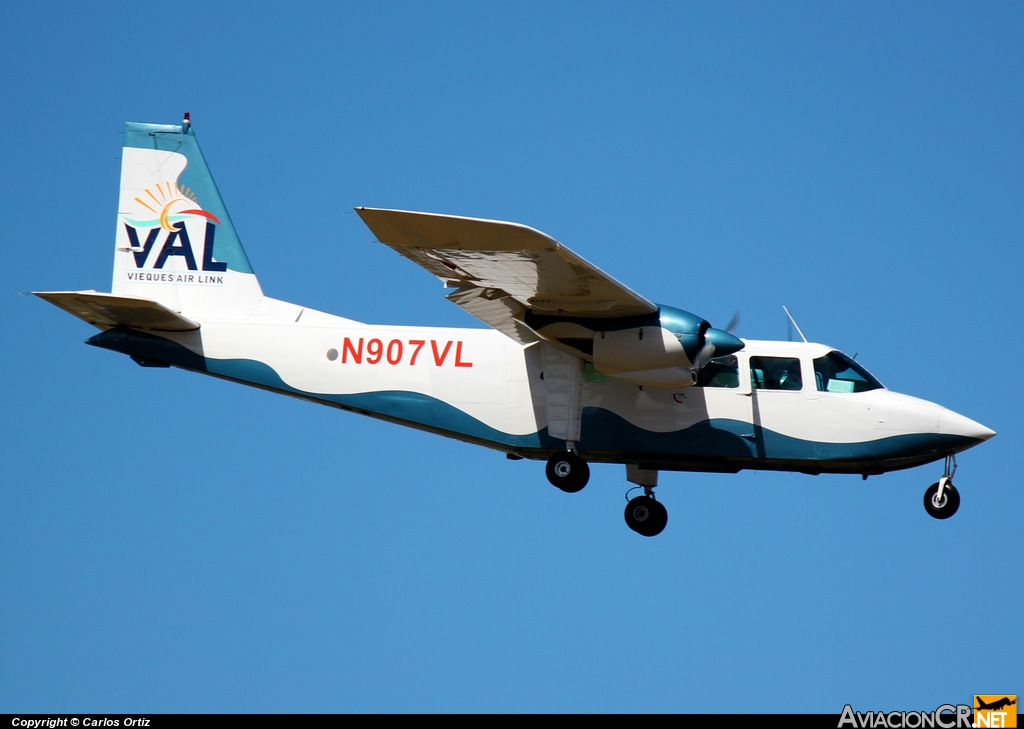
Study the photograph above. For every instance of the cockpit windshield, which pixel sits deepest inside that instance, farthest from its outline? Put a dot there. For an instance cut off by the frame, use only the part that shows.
(835, 372)
(720, 372)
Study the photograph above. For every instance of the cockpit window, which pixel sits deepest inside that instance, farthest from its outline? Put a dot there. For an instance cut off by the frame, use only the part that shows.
(835, 372)
(720, 372)
(775, 373)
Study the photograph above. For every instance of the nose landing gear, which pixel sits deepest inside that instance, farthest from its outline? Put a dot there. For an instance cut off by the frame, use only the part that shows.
(941, 500)
(645, 515)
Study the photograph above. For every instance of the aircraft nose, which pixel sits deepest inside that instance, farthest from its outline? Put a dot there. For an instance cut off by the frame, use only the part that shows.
(951, 423)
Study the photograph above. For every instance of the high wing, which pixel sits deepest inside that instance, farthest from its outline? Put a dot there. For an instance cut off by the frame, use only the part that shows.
(501, 271)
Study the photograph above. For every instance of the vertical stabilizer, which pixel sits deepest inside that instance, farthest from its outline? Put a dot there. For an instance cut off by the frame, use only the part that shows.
(175, 242)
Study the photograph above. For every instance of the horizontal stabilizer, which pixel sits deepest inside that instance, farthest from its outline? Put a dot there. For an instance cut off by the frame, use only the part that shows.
(106, 311)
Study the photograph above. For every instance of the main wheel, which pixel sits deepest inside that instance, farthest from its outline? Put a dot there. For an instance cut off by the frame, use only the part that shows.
(946, 506)
(568, 472)
(646, 516)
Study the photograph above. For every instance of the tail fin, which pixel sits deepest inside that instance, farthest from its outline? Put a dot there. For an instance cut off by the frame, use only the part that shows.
(175, 242)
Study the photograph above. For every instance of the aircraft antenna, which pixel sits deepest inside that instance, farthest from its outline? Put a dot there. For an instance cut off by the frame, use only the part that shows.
(794, 323)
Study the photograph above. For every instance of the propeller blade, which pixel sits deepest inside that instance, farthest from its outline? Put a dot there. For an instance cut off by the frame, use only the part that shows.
(706, 354)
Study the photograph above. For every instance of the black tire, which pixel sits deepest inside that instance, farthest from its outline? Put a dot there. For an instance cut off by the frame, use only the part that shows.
(568, 472)
(950, 501)
(645, 516)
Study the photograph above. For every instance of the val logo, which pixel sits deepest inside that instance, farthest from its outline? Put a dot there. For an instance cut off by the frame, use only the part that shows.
(159, 231)
(995, 710)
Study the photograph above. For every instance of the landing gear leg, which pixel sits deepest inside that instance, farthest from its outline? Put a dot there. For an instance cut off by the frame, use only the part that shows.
(644, 514)
(563, 392)
(941, 500)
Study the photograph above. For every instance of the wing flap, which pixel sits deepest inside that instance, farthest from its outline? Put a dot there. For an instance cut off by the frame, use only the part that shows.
(106, 311)
(501, 270)
(496, 308)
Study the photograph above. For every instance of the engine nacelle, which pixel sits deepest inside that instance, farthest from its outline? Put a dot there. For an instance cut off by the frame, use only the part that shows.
(637, 350)
(663, 349)
(674, 377)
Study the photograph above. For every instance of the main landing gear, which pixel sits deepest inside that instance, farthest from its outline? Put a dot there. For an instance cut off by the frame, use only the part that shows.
(644, 514)
(941, 500)
(568, 472)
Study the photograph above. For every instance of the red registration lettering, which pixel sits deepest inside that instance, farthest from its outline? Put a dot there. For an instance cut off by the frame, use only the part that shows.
(458, 356)
(376, 352)
(439, 358)
(347, 349)
(418, 344)
(394, 351)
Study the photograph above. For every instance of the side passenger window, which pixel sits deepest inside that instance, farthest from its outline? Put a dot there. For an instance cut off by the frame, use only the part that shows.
(775, 373)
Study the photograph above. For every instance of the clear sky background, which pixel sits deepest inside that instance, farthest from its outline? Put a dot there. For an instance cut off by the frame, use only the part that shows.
(177, 543)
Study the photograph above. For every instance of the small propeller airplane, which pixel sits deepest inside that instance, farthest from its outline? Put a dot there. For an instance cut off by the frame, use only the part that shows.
(575, 369)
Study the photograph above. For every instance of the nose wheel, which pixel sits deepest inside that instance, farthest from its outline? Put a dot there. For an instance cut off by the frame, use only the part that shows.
(941, 500)
(646, 516)
(941, 504)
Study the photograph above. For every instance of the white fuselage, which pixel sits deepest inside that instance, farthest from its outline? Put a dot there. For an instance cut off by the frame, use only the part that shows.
(481, 386)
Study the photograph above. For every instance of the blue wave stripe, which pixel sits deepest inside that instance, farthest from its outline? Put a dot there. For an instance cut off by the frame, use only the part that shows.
(411, 408)
(733, 439)
(605, 434)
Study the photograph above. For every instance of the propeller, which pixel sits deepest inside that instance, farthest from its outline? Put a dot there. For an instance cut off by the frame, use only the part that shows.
(705, 355)
(733, 323)
(717, 343)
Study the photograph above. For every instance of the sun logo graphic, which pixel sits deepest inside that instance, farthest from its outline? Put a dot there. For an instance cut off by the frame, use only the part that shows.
(995, 710)
(169, 209)
(171, 203)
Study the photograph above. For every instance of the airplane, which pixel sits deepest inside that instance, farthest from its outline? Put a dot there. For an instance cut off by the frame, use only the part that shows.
(575, 367)
(995, 705)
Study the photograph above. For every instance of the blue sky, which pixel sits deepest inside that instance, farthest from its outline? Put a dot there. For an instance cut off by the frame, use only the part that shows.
(176, 543)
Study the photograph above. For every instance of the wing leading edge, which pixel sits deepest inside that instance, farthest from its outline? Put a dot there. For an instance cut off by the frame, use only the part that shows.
(500, 271)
